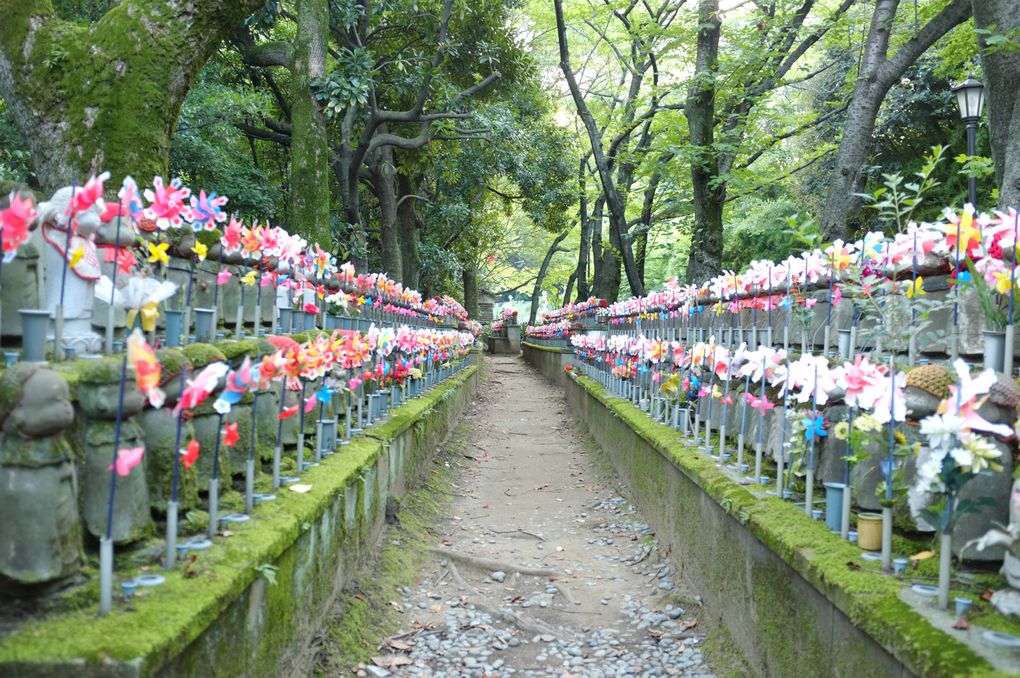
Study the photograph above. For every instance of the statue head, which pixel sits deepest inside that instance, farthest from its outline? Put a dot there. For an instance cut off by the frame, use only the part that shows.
(54, 213)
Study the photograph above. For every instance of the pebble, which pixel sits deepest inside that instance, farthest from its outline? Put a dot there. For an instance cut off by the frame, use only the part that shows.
(498, 576)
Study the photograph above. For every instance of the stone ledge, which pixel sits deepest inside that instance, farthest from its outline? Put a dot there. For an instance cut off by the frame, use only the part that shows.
(866, 601)
(550, 349)
(229, 620)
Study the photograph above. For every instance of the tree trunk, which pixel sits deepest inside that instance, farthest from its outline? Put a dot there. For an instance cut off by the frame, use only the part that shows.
(581, 272)
(384, 182)
(469, 276)
(106, 96)
(569, 289)
(877, 74)
(409, 227)
(309, 144)
(595, 226)
(540, 278)
(615, 202)
(709, 193)
(1002, 91)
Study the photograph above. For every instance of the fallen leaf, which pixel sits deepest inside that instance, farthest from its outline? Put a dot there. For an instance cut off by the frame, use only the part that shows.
(391, 662)
(962, 624)
(853, 566)
(923, 555)
(301, 488)
(987, 594)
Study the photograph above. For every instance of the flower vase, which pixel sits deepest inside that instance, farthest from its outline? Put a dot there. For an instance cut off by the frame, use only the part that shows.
(34, 324)
(835, 495)
(843, 344)
(995, 350)
(173, 328)
(204, 330)
(869, 531)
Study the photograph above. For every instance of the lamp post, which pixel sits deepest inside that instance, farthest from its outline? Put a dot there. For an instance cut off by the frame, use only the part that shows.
(970, 97)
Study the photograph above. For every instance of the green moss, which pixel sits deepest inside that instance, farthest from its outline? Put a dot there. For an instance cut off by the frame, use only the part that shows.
(235, 350)
(171, 361)
(548, 349)
(106, 370)
(201, 355)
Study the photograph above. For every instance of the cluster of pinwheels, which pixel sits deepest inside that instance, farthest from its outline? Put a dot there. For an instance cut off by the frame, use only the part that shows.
(342, 360)
(296, 264)
(960, 240)
(581, 309)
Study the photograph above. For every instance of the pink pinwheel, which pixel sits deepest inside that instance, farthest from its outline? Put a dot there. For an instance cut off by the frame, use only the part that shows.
(310, 403)
(14, 221)
(199, 388)
(166, 203)
(223, 276)
(205, 210)
(88, 195)
(130, 200)
(761, 404)
(231, 240)
(127, 459)
(967, 396)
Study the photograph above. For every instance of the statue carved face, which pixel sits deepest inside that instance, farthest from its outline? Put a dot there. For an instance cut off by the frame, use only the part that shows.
(54, 212)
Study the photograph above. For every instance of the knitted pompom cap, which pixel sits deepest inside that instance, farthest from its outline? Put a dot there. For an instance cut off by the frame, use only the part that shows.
(933, 379)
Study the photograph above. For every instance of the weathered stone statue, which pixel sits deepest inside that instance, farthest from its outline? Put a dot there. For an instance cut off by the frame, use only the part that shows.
(80, 279)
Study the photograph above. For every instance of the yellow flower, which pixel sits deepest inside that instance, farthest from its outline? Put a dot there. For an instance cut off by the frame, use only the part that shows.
(201, 250)
(157, 253)
(866, 422)
(916, 288)
(249, 278)
(76, 256)
(841, 430)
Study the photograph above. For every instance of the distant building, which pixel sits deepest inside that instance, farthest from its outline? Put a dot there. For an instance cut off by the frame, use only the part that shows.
(486, 300)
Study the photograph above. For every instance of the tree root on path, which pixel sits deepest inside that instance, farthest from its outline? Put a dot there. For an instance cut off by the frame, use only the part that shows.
(494, 565)
(566, 593)
(529, 626)
(518, 531)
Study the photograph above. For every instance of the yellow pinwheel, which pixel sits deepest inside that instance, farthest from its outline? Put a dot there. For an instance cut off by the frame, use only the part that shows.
(158, 253)
(76, 256)
(249, 278)
(201, 250)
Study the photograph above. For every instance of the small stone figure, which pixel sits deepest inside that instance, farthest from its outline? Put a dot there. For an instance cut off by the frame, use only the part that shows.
(81, 275)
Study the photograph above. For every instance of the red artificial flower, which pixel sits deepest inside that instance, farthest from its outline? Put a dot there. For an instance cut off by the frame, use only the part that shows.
(230, 435)
(189, 455)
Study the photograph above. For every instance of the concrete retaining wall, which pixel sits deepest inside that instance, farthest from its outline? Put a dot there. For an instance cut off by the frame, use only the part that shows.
(551, 362)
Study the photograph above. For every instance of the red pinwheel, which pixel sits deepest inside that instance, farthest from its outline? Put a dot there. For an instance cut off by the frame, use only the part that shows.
(189, 455)
(15, 220)
(199, 388)
(88, 195)
(230, 435)
(288, 412)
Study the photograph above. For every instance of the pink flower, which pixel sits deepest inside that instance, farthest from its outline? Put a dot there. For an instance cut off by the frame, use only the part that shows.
(223, 276)
(127, 459)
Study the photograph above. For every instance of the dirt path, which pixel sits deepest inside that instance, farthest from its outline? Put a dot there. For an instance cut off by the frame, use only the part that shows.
(542, 568)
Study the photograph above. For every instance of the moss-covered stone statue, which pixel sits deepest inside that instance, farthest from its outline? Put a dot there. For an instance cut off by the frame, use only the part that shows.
(41, 531)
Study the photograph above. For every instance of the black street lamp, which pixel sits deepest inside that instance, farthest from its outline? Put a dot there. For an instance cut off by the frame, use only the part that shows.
(970, 97)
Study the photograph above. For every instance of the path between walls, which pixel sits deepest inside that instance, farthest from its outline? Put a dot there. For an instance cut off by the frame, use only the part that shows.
(540, 567)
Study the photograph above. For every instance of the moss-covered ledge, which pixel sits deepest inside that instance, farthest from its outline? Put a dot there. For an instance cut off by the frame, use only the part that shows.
(551, 349)
(228, 617)
(871, 600)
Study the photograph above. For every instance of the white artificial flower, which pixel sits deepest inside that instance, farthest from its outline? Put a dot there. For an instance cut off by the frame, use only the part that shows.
(942, 430)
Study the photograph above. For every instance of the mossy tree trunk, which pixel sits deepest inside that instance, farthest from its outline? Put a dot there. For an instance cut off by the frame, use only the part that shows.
(384, 181)
(469, 276)
(309, 146)
(106, 96)
(409, 228)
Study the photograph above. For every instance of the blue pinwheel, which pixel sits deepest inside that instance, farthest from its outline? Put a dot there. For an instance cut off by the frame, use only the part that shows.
(814, 427)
